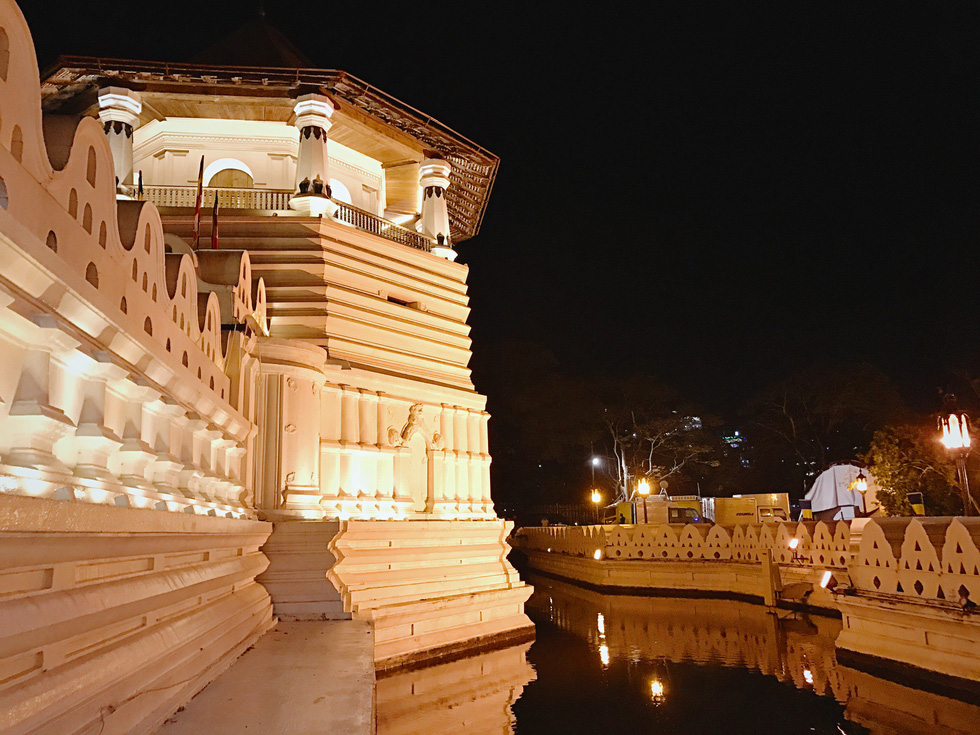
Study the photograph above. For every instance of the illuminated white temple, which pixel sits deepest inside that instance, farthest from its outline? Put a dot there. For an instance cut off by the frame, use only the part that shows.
(166, 406)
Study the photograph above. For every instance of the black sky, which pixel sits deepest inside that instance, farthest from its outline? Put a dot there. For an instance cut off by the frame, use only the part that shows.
(714, 193)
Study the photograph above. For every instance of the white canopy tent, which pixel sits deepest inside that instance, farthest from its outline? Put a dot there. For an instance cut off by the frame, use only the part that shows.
(832, 496)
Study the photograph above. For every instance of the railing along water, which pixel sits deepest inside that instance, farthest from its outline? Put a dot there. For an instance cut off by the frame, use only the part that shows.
(278, 199)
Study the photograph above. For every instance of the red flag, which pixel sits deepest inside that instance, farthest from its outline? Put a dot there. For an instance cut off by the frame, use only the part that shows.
(214, 223)
(197, 204)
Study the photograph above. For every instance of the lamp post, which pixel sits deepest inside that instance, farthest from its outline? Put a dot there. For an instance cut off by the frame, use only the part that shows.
(643, 489)
(596, 500)
(956, 438)
(861, 485)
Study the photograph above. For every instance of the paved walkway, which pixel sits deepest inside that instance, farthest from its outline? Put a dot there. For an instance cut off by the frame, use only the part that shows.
(302, 678)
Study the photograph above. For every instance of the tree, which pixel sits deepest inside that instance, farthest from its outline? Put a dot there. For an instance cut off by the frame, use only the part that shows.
(651, 433)
(820, 415)
(906, 459)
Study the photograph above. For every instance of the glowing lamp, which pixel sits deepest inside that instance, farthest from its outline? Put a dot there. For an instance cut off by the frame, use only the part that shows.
(956, 432)
(861, 482)
(596, 497)
(597, 555)
(793, 543)
(828, 582)
(808, 676)
(604, 654)
(643, 487)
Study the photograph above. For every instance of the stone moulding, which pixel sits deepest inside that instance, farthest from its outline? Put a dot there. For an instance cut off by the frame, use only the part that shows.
(120, 615)
(436, 586)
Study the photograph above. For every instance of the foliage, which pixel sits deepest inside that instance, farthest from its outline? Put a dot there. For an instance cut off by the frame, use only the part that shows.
(651, 433)
(907, 458)
(817, 416)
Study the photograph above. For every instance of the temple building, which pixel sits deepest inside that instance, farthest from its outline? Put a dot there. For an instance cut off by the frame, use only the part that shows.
(226, 407)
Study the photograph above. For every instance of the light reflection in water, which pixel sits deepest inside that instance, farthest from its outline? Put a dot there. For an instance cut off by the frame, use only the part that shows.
(611, 664)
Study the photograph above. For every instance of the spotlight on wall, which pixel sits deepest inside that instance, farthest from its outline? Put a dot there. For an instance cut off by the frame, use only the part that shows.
(828, 582)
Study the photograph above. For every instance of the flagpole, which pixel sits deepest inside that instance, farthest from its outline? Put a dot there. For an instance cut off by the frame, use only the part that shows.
(197, 204)
(214, 223)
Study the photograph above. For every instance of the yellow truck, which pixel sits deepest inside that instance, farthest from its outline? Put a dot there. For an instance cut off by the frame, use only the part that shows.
(659, 509)
(754, 508)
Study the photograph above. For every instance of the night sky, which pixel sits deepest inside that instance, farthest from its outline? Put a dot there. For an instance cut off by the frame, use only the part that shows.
(716, 195)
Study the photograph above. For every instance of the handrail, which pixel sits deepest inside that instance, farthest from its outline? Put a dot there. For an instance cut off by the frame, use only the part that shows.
(372, 223)
(278, 200)
(228, 197)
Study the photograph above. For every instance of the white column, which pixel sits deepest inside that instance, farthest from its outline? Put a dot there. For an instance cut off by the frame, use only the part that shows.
(119, 111)
(312, 194)
(330, 449)
(434, 180)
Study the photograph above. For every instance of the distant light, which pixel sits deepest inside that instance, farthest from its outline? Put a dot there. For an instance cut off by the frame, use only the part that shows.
(736, 433)
(793, 543)
(597, 555)
(601, 624)
(808, 676)
(595, 461)
(604, 654)
(596, 497)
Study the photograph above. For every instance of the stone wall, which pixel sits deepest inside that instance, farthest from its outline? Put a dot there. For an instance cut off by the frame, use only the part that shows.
(429, 587)
(118, 384)
(899, 579)
(819, 544)
(114, 617)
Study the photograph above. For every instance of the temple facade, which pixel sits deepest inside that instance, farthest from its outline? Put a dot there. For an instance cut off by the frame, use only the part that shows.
(219, 406)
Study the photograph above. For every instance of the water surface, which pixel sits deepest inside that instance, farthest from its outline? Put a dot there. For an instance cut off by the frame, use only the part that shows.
(619, 664)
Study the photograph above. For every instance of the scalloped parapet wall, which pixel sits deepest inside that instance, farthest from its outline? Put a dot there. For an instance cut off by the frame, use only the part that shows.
(910, 558)
(125, 354)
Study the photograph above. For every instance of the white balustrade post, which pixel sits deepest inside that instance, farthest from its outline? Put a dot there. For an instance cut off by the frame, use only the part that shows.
(434, 174)
(119, 111)
(312, 193)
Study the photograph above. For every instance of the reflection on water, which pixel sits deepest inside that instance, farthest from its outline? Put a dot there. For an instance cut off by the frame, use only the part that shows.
(472, 696)
(620, 664)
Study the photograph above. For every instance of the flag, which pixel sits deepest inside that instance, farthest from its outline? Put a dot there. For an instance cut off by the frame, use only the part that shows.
(214, 223)
(197, 204)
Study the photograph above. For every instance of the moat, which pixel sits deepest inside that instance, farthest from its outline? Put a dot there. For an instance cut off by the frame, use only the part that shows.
(622, 664)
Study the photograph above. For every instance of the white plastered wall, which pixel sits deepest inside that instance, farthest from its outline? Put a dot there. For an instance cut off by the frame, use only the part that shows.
(168, 152)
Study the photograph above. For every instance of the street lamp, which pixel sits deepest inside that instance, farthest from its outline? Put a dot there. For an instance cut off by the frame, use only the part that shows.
(596, 500)
(643, 489)
(956, 438)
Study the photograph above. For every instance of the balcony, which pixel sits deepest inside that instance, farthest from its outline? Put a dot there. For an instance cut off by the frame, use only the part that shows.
(278, 200)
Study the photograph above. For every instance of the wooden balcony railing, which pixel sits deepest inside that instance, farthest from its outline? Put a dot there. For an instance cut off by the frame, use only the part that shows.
(185, 196)
(278, 199)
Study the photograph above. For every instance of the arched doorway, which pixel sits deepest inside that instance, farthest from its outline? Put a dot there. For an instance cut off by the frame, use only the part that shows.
(229, 172)
(230, 178)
